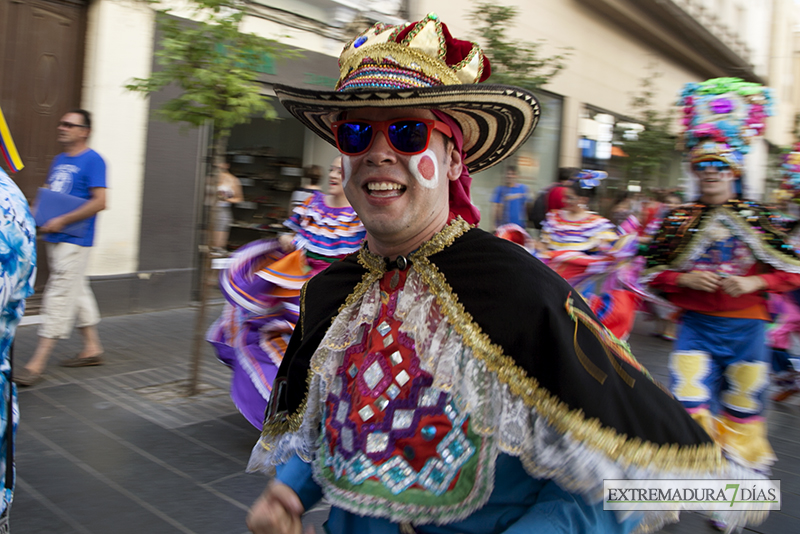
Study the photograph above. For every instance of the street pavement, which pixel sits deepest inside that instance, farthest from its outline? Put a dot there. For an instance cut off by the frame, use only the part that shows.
(118, 448)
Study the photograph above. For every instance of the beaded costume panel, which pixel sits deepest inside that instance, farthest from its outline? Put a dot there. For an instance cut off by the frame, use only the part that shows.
(700, 236)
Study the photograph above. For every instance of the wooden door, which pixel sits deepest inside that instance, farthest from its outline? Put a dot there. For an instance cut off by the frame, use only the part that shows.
(41, 72)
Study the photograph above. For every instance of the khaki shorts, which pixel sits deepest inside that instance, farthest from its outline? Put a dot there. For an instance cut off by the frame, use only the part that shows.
(67, 297)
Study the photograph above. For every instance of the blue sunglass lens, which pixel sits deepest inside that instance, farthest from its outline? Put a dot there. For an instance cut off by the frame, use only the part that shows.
(409, 136)
(354, 137)
(719, 166)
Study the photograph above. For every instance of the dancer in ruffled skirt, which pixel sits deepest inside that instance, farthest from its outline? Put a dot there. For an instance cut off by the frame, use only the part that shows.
(262, 287)
(588, 251)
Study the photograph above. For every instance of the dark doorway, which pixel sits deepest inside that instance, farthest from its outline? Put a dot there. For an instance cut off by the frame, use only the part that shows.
(41, 72)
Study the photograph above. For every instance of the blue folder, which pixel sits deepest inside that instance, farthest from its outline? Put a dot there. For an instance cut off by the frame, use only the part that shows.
(50, 204)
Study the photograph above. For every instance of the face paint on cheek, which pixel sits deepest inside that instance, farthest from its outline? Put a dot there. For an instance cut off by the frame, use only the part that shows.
(425, 168)
(347, 168)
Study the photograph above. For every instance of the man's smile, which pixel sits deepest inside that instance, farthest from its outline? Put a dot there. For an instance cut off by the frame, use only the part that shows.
(384, 189)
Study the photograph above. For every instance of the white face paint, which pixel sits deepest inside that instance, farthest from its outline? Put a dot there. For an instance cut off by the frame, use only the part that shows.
(347, 168)
(425, 168)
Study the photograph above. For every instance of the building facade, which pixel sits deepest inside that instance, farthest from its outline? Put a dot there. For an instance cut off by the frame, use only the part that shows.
(58, 55)
(614, 44)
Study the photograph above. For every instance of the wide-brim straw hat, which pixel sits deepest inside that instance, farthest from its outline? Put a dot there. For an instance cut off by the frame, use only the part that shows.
(419, 65)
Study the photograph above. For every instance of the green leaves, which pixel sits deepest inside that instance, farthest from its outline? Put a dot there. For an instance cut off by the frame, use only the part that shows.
(513, 62)
(655, 145)
(215, 66)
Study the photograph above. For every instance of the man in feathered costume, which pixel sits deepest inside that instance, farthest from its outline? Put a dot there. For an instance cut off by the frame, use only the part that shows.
(716, 259)
(441, 379)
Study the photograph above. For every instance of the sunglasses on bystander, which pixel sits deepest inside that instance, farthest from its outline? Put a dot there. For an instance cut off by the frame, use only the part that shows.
(711, 165)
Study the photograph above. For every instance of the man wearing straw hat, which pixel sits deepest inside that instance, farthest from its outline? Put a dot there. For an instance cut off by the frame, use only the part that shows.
(442, 380)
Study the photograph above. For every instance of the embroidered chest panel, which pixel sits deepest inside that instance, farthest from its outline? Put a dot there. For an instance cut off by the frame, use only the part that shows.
(387, 433)
(724, 253)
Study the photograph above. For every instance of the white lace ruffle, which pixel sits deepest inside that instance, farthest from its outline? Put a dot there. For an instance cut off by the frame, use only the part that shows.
(516, 428)
(347, 329)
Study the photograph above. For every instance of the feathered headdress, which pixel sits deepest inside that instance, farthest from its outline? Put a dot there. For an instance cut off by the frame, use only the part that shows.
(721, 116)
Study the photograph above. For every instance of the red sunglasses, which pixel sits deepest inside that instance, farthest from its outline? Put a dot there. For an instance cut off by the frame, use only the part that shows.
(407, 136)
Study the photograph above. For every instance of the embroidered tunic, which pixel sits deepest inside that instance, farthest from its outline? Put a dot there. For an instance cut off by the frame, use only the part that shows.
(738, 238)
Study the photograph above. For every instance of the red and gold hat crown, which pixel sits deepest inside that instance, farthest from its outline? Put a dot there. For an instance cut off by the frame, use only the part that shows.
(419, 54)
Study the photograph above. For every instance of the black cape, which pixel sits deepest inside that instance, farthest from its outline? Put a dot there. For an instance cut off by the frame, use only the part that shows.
(522, 306)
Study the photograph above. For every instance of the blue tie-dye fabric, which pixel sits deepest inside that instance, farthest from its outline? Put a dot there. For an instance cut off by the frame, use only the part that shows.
(17, 273)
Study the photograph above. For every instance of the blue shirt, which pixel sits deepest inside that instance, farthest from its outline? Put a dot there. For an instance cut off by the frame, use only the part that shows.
(519, 504)
(513, 200)
(76, 176)
(18, 269)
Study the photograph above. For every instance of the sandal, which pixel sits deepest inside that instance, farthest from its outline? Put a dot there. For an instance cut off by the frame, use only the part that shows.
(77, 361)
(27, 378)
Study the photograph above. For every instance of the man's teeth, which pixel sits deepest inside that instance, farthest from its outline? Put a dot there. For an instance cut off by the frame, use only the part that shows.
(383, 186)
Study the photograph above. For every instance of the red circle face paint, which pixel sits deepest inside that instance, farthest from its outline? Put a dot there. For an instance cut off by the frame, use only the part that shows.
(426, 167)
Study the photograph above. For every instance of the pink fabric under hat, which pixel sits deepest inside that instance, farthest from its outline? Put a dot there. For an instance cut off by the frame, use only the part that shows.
(460, 201)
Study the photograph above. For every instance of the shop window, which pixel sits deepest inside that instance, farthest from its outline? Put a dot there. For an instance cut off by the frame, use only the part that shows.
(266, 157)
(536, 160)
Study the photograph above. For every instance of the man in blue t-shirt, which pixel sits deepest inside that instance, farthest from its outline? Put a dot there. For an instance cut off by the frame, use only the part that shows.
(509, 200)
(81, 172)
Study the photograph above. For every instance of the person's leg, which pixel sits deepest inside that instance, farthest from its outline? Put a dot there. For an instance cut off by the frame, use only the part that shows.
(58, 302)
(219, 240)
(223, 218)
(91, 342)
(741, 426)
(38, 361)
(88, 315)
(694, 377)
(779, 339)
